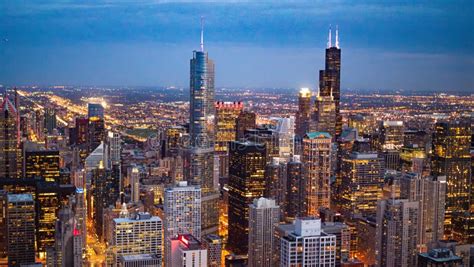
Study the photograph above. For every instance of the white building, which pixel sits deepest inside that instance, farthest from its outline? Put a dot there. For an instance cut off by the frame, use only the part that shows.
(135, 185)
(182, 207)
(140, 234)
(114, 141)
(264, 214)
(304, 244)
(187, 251)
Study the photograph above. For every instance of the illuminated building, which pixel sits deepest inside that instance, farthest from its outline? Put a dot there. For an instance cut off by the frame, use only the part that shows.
(414, 159)
(391, 135)
(135, 185)
(417, 138)
(324, 115)
(95, 110)
(246, 120)
(140, 234)
(274, 181)
(213, 245)
(343, 240)
(266, 135)
(317, 162)
(174, 140)
(96, 132)
(49, 120)
(42, 163)
(202, 133)
(264, 214)
(430, 192)
(226, 120)
(187, 251)
(397, 233)
(362, 184)
(10, 153)
(62, 252)
(295, 190)
(330, 79)
(451, 158)
(285, 131)
(182, 208)
(79, 134)
(114, 145)
(3, 225)
(303, 115)
(21, 229)
(246, 182)
(304, 243)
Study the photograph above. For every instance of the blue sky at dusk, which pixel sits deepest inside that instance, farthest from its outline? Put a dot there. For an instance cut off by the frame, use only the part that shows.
(412, 45)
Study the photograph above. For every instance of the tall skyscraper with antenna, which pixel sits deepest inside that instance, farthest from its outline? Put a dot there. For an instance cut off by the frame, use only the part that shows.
(201, 129)
(330, 81)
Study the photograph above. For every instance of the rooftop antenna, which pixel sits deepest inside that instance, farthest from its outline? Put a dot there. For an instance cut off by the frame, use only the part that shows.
(202, 33)
(337, 36)
(329, 37)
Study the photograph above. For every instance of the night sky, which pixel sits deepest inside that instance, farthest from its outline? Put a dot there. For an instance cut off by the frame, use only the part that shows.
(410, 45)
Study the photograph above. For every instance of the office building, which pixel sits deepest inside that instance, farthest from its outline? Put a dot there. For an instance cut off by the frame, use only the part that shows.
(49, 120)
(95, 110)
(397, 233)
(304, 243)
(42, 163)
(96, 132)
(295, 194)
(21, 229)
(264, 215)
(187, 251)
(140, 234)
(246, 182)
(452, 158)
(135, 185)
(246, 120)
(10, 152)
(343, 240)
(317, 162)
(114, 145)
(303, 115)
(226, 124)
(213, 244)
(182, 208)
(324, 115)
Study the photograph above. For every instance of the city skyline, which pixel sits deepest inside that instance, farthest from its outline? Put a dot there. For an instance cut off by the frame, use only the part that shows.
(271, 44)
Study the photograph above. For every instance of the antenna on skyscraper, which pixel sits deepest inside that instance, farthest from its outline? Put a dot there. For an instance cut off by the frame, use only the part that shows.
(329, 38)
(337, 36)
(202, 33)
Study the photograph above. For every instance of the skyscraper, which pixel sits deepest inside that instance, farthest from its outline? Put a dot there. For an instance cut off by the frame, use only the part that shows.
(140, 234)
(49, 120)
(246, 182)
(10, 162)
(295, 195)
(330, 79)
(213, 244)
(396, 233)
(324, 116)
(452, 158)
(202, 133)
(182, 207)
(303, 115)
(21, 229)
(246, 120)
(362, 184)
(264, 214)
(187, 251)
(317, 161)
(95, 110)
(226, 119)
(42, 163)
(303, 243)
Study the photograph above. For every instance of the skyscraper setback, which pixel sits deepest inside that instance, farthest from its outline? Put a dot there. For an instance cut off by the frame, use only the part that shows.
(330, 79)
(201, 128)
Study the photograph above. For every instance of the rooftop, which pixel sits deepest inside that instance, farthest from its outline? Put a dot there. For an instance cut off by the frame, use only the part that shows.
(314, 135)
(20, 197)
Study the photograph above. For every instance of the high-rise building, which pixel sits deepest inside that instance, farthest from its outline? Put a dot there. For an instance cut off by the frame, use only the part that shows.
(10, 152)
(187, 251)
(330, 79)
(397, 233)
(21, 229)
(343, 240)
(95, 110)
(114, 145)
(451, 158)
(303, 115)
(274, 181)
(49, 120)
(295, 194)
(324, 116)
(96, 132)
(42, 163)
(140, 234)
(439, 257)
(362, 184)
(264, 215)
(213, 244)
(139, 260)
(246, 120)
(226, 124)
(304, 243)
(202, 133)
(391, 135)
(135, 185)
(3, 225)
(430, 192)
(285, 130)
(246, 182)
(317, 162)
(182, 207)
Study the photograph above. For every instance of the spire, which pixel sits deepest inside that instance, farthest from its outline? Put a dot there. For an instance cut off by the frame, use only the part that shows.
(202, 33)
(337, 36)
(329, 37)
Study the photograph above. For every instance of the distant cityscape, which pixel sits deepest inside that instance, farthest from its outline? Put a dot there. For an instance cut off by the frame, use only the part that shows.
(212, 176)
